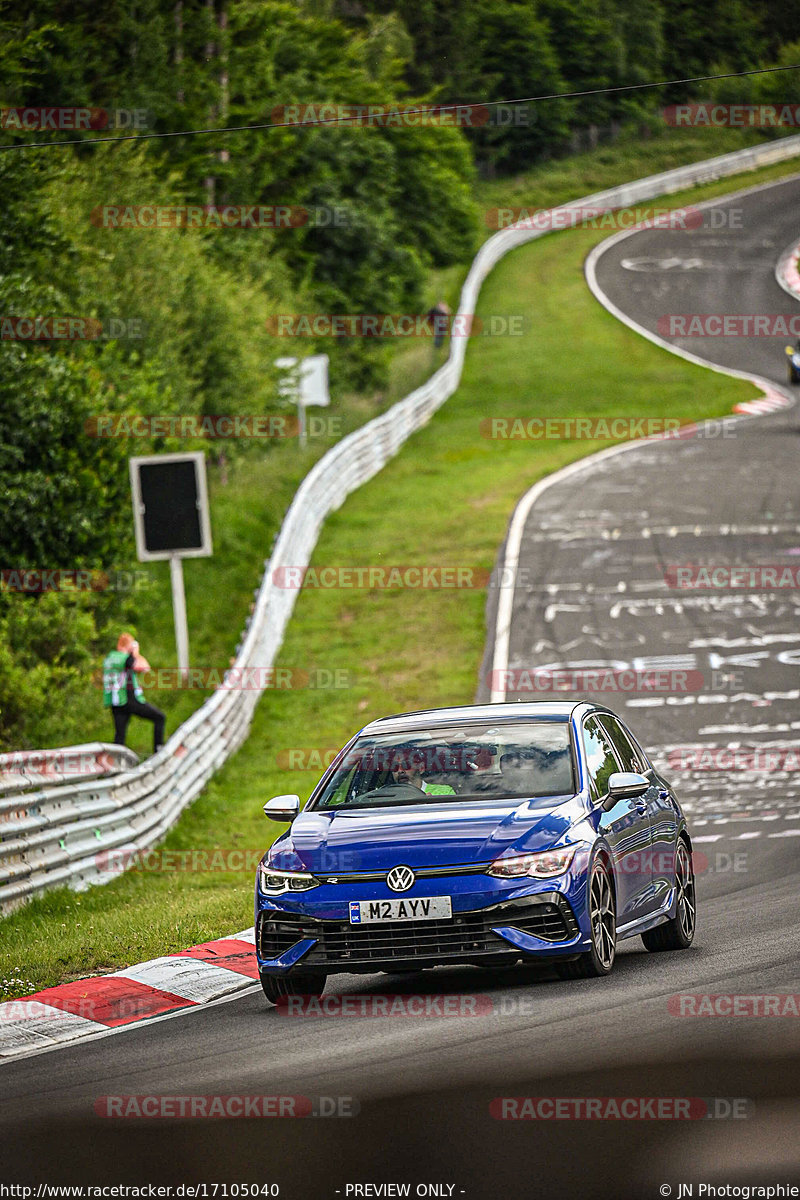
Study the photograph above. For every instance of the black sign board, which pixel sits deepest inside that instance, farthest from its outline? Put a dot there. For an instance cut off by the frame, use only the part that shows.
(170, 506)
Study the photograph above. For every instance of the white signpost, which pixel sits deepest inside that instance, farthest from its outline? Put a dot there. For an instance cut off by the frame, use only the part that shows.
(306, 383)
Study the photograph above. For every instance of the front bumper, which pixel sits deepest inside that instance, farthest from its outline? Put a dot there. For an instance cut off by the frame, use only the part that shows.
(494, 922)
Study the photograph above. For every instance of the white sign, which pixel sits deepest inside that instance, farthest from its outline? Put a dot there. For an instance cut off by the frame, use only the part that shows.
(314, 381)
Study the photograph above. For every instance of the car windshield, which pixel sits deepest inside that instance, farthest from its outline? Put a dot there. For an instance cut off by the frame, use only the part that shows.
(519, 761)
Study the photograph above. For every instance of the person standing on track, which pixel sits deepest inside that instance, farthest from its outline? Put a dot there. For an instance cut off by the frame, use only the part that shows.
(122, 692)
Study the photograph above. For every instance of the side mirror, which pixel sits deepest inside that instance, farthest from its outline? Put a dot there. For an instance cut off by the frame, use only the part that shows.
(624, 785)
(282, 808)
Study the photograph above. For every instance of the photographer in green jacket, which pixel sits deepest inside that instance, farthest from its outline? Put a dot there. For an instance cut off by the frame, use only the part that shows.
(122, 692)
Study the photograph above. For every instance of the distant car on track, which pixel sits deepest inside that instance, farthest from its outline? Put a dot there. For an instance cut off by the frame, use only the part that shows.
(793, 355)
(488, 835)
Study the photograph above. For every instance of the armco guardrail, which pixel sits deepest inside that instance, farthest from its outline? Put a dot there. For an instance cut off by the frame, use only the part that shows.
(58, 835)
(23, 770)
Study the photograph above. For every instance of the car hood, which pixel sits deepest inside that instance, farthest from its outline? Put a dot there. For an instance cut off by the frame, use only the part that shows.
(424, 835)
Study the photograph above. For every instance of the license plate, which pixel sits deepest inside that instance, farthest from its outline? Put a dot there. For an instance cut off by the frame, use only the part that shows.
(422, 908)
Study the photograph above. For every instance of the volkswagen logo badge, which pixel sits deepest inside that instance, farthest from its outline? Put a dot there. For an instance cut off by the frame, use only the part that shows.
(400, 879)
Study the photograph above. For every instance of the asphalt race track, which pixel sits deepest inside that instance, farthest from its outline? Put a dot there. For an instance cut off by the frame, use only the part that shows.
(605, 542)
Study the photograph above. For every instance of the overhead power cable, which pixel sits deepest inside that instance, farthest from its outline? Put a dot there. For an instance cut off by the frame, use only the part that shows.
(358, 117)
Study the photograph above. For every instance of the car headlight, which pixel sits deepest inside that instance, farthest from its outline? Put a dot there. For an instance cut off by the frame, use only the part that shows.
(271, 881)
(543, 865)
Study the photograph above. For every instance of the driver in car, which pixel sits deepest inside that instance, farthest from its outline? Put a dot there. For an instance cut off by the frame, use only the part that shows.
(408, 769)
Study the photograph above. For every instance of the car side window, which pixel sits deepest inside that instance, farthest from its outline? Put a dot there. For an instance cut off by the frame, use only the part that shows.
(600, 757)
(626, 752)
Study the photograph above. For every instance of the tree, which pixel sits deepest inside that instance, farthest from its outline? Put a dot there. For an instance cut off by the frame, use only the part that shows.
(701, 33)
(517, 59)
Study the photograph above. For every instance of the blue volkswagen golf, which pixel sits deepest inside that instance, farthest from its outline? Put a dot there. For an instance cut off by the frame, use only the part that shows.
(488, 835)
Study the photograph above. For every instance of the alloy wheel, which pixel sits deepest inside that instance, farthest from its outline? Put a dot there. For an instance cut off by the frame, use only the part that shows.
(684, 878)
(603, 917)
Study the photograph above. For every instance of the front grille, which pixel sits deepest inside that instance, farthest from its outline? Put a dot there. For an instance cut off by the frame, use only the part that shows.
(467, 936)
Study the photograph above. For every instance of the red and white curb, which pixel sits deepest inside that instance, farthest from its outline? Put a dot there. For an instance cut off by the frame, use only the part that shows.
(787, 273)
(165, 985)
(771, 401)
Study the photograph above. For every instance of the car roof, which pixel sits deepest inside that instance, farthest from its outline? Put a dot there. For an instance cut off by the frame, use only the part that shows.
(431, 718)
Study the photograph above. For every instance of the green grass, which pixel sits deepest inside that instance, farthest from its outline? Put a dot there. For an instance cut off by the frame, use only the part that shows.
(445, 499)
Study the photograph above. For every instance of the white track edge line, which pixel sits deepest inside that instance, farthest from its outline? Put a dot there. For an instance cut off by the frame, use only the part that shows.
(524, 506)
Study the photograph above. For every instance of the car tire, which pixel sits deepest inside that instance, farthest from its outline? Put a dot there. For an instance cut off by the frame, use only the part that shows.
(276, 987)
(678, 932)
(599, 960)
